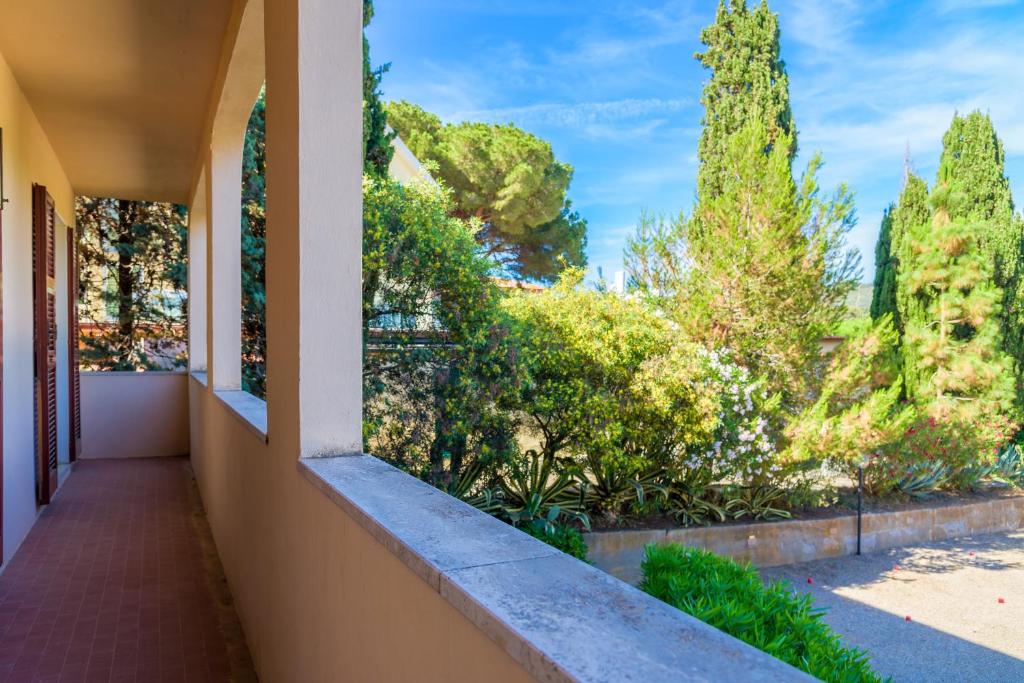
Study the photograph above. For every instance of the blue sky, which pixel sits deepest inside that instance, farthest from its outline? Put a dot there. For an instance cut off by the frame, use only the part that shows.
(615, 89)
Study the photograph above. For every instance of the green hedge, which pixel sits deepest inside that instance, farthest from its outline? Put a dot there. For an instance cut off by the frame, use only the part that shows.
(773, 618)
(565, 538)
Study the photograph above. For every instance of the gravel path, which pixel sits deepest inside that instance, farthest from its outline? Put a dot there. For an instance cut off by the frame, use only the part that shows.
(958, 630)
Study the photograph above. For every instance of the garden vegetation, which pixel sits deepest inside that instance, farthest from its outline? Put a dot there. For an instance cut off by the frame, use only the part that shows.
(772, 617)
(700, 395)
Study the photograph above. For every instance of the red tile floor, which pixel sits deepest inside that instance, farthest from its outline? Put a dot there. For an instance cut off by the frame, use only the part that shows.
(119, 580)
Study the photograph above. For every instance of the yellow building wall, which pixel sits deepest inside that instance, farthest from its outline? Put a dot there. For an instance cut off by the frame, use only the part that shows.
(27, 158)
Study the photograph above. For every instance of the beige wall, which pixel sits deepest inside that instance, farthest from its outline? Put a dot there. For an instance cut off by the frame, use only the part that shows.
(319, 598)
(134, 414)
(28, 158)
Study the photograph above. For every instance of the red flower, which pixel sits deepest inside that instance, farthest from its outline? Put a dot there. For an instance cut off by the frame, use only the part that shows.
(1001, 601)
(906, 618)
(810, 580)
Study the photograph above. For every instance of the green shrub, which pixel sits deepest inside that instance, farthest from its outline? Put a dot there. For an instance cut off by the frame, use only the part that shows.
(566, 538)
(772, 618)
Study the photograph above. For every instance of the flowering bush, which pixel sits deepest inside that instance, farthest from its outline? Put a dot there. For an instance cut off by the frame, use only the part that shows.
(743, 446)
(958, 451)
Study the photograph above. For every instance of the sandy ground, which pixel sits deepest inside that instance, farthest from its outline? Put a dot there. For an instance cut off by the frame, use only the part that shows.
(958, 629)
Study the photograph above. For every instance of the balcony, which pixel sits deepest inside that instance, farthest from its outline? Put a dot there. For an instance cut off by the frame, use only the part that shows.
(338, 566)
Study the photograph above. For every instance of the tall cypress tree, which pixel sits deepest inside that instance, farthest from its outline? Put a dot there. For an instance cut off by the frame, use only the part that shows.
(911, 210)
(748, 80)
(975, 161)
(377, 149)
(254, 249)
(883, 297)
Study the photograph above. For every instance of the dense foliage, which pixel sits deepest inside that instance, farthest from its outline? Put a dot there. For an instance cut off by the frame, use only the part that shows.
(254, 249)
(437, 361)
(772, 617)
(133, 276)
(508, 179)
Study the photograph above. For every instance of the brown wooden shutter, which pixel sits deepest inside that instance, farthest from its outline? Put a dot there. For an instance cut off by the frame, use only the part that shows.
(74, 377)
(45, 337)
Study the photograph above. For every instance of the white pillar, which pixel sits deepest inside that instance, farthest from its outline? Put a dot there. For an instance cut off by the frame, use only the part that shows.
(314, 224)
(224, 275)
(197, 267)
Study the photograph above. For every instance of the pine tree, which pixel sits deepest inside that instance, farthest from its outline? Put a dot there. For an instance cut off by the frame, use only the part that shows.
(768, 271)
(974, 159)
(748, 80)
(955, 333)
(507, 178)
(883, 297)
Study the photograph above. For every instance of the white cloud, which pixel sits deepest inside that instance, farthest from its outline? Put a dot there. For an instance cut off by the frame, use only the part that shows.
(578, 114)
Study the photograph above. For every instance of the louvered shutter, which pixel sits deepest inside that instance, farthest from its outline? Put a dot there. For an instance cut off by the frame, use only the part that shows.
(74, 377)
(45, 337)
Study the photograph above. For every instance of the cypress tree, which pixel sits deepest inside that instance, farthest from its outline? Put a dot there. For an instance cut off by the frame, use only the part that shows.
(748, 80)
(883, 297)
(377, 149)
(974, 161)
(911, 210)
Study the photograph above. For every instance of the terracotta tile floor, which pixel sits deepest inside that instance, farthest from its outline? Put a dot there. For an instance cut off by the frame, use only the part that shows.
(119, 581)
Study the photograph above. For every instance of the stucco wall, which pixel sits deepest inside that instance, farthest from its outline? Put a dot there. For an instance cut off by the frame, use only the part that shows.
(134, 414)
(319, 598)
(28, 158)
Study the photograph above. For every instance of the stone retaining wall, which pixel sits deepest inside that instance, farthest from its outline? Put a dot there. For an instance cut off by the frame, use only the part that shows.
(768, 544)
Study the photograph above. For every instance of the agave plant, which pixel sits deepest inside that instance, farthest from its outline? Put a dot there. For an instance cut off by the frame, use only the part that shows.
(924, 479)
(1009, 467)
(691, 505)
(536, 491)
(607, 487)
(756, 502)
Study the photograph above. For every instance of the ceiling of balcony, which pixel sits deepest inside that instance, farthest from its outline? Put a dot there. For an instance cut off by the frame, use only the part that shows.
(121, 87)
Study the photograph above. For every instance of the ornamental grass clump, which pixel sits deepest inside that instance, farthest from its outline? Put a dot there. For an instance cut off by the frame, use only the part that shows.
(772, 617)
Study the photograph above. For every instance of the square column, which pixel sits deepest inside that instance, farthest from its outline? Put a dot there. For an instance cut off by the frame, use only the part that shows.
(314, 224)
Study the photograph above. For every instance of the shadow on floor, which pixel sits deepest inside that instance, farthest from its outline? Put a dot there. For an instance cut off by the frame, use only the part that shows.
(965, 598)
